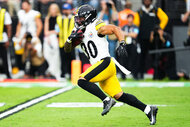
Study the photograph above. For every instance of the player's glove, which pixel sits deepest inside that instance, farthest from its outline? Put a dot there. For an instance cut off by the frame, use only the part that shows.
(121, 50)
(75, 35)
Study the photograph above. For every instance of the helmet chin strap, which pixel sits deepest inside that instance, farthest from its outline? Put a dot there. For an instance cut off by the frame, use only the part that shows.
(82, 27)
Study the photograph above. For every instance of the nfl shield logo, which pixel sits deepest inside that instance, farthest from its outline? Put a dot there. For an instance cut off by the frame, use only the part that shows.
(90, 35)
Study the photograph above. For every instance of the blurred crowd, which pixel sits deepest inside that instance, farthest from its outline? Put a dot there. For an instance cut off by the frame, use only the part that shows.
(33, 33)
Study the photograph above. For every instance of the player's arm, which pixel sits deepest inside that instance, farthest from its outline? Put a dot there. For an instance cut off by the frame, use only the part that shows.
(68, 46)
(39, 25)
(9, 32)
(76, 34)
(133, 34)
(111, 29)
(18, 28)
(185, 17)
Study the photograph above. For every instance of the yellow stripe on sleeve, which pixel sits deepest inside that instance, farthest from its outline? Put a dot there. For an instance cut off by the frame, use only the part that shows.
(163, 18)
(38, 16)
(100, 25)
(136, 19)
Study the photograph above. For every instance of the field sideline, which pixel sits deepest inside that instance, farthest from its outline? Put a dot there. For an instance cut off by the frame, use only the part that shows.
(173, 111)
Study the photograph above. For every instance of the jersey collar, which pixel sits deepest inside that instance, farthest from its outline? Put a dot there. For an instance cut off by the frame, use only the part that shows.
(147, 10)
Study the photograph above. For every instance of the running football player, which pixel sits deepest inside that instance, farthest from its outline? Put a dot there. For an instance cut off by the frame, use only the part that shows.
(103, 69)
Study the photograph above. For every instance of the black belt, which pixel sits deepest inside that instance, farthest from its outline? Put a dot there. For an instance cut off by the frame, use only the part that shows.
(105, 58)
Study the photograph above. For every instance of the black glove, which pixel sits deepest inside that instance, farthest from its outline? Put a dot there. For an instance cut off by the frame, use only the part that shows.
(75, 35)
(121, 50)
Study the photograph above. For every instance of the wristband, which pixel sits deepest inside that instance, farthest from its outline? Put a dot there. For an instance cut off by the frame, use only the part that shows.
(69, 41)
(122, 42)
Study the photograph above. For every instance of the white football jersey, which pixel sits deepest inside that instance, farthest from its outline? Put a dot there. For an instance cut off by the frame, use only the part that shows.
(95, 47)
(28, 21)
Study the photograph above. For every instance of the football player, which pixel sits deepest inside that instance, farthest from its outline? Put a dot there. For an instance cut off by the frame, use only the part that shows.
(103, 69)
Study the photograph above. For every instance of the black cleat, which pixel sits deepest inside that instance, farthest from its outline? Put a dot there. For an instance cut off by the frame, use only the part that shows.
(152, 115)
(108, 104)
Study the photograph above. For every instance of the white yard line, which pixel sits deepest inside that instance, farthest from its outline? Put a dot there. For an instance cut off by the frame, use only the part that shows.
(80, 104)
(88, 104)
(34, 101)
(123, 84)
(30, 85)
(152, 84)
(2, 104)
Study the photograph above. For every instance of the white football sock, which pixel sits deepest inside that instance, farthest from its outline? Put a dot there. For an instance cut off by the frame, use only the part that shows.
(147, 109)
(106, 99)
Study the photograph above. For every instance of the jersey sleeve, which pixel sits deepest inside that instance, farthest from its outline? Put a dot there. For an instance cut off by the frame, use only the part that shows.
(163, 18)
(8, 20)
(136, 19)
(99, 24)
(37, 14)
(19, 15)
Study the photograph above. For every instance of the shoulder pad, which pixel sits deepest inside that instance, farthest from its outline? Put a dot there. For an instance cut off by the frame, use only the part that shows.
(99, 23)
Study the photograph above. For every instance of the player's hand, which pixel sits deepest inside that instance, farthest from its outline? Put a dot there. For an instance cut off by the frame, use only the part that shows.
(75, 35)
(121, 50)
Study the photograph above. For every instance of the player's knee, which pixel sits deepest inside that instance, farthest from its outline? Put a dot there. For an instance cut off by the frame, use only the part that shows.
(117, 96)
(82, 82)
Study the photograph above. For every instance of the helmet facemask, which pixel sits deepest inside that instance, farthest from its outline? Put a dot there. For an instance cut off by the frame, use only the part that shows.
(79, 21)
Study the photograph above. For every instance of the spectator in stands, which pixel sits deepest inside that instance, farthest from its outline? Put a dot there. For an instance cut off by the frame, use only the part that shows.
(74, 3)
(164, 63)
(3, 4)
(14, 7)
(147, 17)
(78, 3)
(51, 45)
(132, 47)
(94, 3)
(42, 6)
(29, 21)
(5, 38)
(109, 15)
(66, 25)
(123, 14)
(185, 18)
(35, 64)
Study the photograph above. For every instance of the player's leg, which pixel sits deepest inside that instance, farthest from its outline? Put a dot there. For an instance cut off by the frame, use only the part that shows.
(112, 87)
(91, 88)
(93, 74)
(96, 73)
(150, 111)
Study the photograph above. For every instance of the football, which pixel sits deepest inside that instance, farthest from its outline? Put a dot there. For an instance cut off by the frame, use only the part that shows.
(77, 41)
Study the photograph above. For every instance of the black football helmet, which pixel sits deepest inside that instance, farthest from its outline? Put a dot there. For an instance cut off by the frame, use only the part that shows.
(85, 15)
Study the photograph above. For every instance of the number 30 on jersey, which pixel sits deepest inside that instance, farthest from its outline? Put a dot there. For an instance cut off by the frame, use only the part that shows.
(90, 49)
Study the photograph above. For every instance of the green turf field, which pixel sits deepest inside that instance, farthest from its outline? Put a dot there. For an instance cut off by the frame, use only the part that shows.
(13, 96)
(176, 113)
